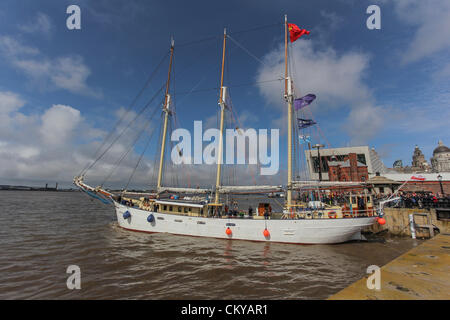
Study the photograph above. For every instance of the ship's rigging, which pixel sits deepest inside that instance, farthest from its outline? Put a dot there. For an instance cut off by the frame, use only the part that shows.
(226, 179)
(153, 211)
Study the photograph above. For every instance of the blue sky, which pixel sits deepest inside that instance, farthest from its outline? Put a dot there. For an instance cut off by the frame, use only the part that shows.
(62, 90)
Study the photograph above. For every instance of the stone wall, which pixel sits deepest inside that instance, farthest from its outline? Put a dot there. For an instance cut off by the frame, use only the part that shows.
(397, 222)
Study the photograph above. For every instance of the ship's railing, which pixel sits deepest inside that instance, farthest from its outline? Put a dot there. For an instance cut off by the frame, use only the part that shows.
(328, 213)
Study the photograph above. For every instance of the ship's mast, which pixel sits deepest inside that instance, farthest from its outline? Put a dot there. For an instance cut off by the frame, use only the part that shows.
(289, 97)
(166, 117)
(222, 113)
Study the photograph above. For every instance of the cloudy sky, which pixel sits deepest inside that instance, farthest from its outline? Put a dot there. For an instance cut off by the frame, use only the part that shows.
(62, 91)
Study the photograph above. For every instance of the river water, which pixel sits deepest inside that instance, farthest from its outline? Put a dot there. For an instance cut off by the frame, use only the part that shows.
(42, 233)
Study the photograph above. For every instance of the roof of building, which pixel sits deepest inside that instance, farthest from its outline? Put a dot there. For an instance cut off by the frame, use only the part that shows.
(382, 180)
(428, 176)
(441, 148)
(376, 162)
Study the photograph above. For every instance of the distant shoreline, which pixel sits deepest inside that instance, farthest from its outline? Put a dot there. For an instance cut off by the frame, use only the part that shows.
(27, 188)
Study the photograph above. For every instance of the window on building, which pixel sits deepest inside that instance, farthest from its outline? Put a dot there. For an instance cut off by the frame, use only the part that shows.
(324, 166)
(361, 158)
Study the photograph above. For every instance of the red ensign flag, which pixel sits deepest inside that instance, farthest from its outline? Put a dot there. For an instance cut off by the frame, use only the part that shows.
(295, 32)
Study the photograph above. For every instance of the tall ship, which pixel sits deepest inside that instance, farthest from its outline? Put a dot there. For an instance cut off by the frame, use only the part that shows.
(207, 212)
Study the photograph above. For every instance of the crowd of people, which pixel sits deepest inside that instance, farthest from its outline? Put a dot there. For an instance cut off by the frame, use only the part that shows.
(421, 200)
(332, 198)
(408, 199)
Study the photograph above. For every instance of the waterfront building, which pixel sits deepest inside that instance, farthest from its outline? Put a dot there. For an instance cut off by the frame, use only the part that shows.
(349, 163)
(441, 158)
(418, 160)
(348, 170)
(397, 164)
(432, 182)
(382, 185)
(418, 164)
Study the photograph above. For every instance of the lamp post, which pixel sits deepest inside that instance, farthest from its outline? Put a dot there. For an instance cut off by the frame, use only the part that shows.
(440, 183)
(318, 146)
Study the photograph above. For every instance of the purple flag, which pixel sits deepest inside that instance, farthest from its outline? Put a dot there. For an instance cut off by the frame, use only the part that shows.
(305, 123)
(304, 101)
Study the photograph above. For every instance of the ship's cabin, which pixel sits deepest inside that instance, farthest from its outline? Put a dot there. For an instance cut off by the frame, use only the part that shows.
(340, 206)
(186, 208)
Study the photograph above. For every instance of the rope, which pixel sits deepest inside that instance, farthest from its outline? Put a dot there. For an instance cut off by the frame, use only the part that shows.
(140, 158)
(119, 121)
(144, 128)
(258, 28)
(117, 138)
(236, 32)
(230, 86)
(247, 51)
(198, 41)
(234, 118)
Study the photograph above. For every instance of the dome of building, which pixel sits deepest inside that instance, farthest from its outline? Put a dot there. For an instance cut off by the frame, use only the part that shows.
(441, 148)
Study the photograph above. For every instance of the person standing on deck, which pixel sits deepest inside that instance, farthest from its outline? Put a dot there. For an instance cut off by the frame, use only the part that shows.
(266, 213)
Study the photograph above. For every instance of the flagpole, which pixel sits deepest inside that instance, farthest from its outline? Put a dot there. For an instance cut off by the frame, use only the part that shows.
(288, 96)
(222, 112)
(285, 56)
(166, 116)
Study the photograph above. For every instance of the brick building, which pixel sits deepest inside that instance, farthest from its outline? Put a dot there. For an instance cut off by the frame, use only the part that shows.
(350, 169)
(365, 156)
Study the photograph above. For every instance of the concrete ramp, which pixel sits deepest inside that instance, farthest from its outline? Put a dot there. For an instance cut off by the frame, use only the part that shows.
(423, 273)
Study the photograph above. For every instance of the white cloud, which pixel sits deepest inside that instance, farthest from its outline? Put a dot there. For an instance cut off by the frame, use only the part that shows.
(40, 24)
(432, 20)
(58, 124)
(444, 72)
(46, 146)
(71, 73)
(67, 72)
(364, 122)
(9, 102)
(12, 48)
(336, 79)
(55, 144)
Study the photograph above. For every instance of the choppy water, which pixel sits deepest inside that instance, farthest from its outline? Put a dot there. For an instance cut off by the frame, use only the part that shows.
(42, 233)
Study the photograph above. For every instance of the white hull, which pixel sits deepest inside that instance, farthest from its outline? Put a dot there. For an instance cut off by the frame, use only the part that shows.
(300, 231)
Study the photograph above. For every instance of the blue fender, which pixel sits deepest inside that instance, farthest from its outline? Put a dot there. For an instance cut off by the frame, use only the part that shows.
(150, 218)
(126, 215)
